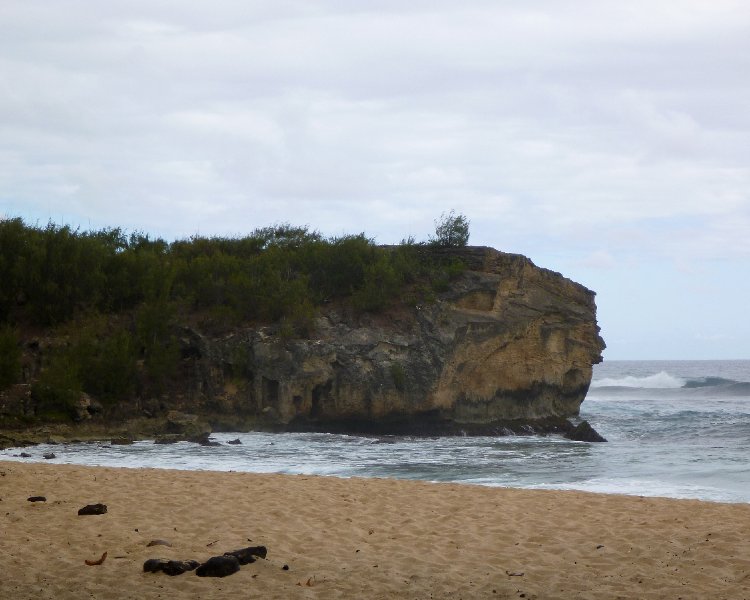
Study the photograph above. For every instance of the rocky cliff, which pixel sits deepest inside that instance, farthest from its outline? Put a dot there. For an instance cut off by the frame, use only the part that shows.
(508, 344)
(507, 347)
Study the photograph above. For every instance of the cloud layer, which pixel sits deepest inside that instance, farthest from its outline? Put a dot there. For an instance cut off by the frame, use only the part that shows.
(600, 133)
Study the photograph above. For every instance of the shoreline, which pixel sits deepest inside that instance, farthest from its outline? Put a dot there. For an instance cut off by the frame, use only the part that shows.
(432, 461)
(357, 537)
(37, 461)
(233, 455)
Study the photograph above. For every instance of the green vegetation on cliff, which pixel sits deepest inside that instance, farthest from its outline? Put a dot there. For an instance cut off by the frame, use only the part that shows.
(111, 302)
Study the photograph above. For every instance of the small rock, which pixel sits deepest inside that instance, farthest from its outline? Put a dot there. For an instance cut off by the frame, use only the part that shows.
(210, 443)
(170, 567)
(249, 554)
(584, 432)
(93, 509)
(158, 543)
(152, 565)
(178, 567)
(218, 566)
(285, 568)
(24, 455)
(37, 499)
(235, 442)
(48, 455)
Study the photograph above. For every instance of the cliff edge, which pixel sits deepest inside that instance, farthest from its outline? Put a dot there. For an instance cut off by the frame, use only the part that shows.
(508, 344)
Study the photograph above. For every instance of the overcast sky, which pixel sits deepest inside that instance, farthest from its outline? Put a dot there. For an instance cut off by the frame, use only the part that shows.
(607, 140)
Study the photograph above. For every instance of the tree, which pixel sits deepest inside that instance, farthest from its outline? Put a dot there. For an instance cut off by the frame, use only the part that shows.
(451, 231)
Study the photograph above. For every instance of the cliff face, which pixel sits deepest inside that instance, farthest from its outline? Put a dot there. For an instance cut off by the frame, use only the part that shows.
(507, 342)
(508, 347)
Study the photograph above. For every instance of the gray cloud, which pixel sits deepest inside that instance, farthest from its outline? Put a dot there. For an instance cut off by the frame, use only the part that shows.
(590, 132)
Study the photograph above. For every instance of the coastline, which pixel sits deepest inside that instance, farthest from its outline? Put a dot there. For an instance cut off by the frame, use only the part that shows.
(364, 538)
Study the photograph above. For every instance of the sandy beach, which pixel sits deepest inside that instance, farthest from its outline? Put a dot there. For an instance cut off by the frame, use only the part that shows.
(357, 538)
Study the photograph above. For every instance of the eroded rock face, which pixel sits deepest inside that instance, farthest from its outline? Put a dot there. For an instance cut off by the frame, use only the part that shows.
(507, 348)
(508, 342)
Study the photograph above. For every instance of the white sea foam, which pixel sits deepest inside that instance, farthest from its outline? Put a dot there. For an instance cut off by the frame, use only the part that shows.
(684, 443)
(660, 380)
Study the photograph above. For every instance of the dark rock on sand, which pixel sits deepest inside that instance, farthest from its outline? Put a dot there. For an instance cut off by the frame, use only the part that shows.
(37, 499)
(153, 565)
(93, 509)
(584, 432)
(218, 566)
(159, 543)
(170, 567)
(178, 567)
(249, 554)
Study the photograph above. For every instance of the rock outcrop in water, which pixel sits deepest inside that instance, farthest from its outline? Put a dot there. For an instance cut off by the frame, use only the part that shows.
(509, 345)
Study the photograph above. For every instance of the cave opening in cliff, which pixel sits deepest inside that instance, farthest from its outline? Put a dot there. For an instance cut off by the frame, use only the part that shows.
(320, 395)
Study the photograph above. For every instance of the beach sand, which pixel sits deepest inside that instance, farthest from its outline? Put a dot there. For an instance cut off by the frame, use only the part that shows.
(358, 538)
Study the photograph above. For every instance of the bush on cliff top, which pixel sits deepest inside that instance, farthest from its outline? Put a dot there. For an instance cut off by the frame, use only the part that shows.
(451, 231)
(54, 273)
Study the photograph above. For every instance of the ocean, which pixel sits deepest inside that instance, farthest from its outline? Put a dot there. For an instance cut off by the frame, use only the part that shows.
(678, 429)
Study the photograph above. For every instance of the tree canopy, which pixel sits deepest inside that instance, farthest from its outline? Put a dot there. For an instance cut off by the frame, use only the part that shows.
(451, 230)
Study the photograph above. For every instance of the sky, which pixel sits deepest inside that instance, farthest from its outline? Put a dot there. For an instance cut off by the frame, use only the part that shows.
(606, 140)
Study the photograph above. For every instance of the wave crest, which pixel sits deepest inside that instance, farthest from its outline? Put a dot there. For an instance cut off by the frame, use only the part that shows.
(660, 380)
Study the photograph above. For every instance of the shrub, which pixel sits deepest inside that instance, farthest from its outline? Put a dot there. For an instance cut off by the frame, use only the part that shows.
(10, 357)
(157, 344)
(451, 231)
(58, 389)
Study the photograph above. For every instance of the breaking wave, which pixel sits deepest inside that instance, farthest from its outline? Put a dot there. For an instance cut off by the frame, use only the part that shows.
(661, 380)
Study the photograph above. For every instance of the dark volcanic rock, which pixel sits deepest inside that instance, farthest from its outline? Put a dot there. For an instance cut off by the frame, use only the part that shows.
(204, 440)
(178, 567)
(584, 432)
(235, 442)
(93, 509)
(249, 554)
(48, 455)
(153, 565)
(170, 567)
(218, 566)
(37, 499)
